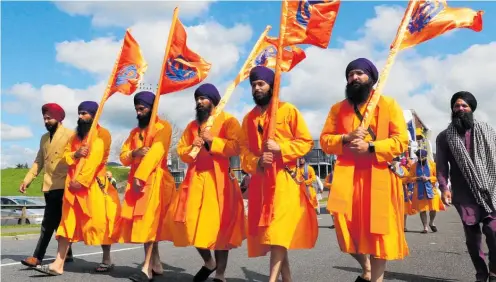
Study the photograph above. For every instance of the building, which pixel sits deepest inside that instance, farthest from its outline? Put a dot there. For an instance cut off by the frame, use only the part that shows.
(320, 161)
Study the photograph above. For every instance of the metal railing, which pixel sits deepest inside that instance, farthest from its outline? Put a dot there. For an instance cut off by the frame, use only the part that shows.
(23, 216)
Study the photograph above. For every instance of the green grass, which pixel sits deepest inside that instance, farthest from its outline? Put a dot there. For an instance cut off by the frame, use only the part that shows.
(20, 233)
(11, 178)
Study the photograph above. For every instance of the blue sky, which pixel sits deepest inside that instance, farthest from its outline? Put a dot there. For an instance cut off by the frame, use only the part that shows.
(30, 31)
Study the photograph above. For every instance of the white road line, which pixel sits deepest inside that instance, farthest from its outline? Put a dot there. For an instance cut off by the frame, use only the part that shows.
(81, 255)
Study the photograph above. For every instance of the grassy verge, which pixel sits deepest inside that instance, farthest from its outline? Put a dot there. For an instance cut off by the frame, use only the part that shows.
(11, 178)
(20, 233)
(8, 227)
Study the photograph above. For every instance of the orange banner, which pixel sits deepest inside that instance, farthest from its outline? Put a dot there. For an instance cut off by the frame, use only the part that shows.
(433, 18)
(130, 67)
(183, 67)
(309, 22)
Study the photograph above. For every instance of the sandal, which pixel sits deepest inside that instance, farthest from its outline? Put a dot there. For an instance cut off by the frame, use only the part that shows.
(424, 232)
(45, 269)
(103, 267)
(140, 277)
(203, 274)
(433, 228)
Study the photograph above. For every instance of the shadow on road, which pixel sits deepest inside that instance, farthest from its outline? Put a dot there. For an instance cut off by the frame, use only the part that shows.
(251, 276)
(400, 276)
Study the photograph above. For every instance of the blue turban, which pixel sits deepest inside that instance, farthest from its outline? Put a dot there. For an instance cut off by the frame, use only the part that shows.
(144, 98)
(364, 65)
(88, 106)
(210, 91)
(262, 73)
(421, 154)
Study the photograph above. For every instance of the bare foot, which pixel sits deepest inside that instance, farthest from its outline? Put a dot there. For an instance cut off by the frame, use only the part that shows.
(157, 266)
(367, 275)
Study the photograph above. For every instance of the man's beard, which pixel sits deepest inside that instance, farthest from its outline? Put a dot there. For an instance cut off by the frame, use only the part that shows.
(83, 128)
(144, 120)
(462, 121)
(262, 99)
(357, 92)
(51, 127)
(203, 113)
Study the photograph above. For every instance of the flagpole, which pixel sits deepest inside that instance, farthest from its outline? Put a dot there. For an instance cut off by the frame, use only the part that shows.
(371, 105)
(151, 126)
(91, 134)
(230, 89)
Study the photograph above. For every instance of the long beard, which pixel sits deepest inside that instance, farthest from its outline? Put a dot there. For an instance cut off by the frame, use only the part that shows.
(143, 121)
(262, 99)
(357, 92)
(462, 121)
(51, 128)
(203, 113)
(83, 128)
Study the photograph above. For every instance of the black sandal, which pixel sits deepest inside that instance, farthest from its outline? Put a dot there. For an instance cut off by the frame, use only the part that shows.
(433, 228)
(203, 274)
(360, 279)
(140, 277)
(103, 267)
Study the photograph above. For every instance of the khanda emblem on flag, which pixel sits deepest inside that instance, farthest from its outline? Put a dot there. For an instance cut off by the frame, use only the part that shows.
(269, 52)
(303, 13)
(423, 15)
(175, 70)
(127, 73)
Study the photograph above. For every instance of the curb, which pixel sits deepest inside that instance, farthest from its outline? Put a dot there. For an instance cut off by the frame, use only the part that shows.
(20, 237)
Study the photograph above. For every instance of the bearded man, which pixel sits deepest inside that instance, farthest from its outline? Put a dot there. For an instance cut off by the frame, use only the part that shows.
(50, 158)
(466, 155)
(366, 199)
(90, 203)
(279, 211)
(207, 212)
(150, 186)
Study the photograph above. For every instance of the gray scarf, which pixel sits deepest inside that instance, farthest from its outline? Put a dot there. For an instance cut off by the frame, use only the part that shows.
(480, 173)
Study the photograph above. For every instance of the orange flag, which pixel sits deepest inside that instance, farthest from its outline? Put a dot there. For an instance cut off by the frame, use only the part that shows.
(432, 18)
(130, 67)
(266, 55)
(183, 68)
(309, 22)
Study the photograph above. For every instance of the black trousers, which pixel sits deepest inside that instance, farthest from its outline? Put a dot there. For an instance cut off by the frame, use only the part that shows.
(50, 223)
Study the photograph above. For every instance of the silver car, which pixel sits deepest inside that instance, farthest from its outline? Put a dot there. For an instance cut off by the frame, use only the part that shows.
(12, 215)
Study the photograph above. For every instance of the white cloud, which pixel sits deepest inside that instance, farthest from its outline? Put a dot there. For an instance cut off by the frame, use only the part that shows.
(10, 132)
(14, 154)
(126, 13)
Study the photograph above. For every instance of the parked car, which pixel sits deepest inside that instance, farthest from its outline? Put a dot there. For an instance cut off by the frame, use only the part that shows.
(35, 215)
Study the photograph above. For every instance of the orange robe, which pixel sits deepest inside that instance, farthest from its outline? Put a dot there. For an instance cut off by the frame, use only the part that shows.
(89, 213)
(143, 213)
(424, 205)
(293, 221)
(207, 212)
(312, 195)
(367, 197)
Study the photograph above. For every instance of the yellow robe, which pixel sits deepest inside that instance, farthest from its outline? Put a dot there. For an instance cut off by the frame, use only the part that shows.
(207, 212)
(143, 213)
(409, 209)
(293, 221)
(424, 205)
(89, 213)
(312, 195)
(367, 198)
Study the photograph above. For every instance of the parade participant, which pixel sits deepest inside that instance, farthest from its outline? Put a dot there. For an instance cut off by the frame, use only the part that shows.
(207, 212)
(277, 216)
(404, 166)
(150, 187)
(305, 174)
(426, 198)
(50, 159)
(466, 157)
(90, 203)
(366, 197)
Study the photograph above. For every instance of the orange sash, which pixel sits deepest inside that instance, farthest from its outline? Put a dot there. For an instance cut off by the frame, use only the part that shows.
(341, 196)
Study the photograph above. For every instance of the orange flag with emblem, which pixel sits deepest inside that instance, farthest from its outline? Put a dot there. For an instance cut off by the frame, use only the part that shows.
(183, 68)
(309, 22)
(130, 67)
(433, 18)
(266, 55)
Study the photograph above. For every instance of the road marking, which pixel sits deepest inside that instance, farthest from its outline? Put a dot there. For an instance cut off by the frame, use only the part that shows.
(81, 255)
(319, 218)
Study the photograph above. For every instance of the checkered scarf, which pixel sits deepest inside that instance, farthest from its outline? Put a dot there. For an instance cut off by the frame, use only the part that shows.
(480, 172)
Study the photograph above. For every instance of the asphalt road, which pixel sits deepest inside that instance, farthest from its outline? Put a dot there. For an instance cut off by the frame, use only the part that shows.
(438, 256)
